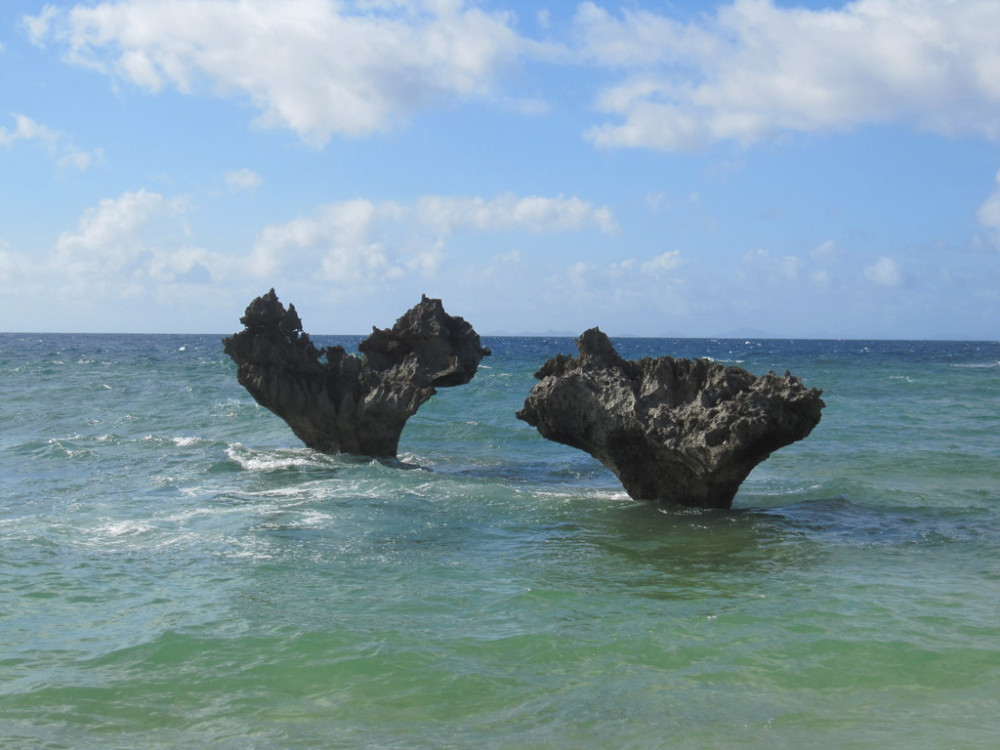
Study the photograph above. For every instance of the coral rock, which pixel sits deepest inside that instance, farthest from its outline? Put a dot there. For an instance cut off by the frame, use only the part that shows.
(337, 402)
(674, 431)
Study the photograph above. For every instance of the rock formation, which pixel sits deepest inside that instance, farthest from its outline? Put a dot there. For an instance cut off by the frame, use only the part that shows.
(337, 402)
(674, 431)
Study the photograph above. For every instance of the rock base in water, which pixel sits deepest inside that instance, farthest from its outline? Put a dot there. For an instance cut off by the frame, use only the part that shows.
(337, 402)
(674, 431)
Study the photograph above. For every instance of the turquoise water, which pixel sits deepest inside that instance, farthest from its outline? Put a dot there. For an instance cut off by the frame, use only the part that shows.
(176, 570)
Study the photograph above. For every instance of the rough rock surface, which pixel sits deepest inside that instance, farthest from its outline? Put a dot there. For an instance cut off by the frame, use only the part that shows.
(674, 431)
(337, 402)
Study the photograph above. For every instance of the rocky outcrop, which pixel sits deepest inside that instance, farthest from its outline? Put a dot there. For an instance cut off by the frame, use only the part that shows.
(337, 402)
(674, 431)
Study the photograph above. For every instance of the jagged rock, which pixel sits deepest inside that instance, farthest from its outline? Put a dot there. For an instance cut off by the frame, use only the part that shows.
(337, 402)
(674, 431)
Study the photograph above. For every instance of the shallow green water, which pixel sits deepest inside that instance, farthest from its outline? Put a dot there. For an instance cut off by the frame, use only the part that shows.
(176, 571)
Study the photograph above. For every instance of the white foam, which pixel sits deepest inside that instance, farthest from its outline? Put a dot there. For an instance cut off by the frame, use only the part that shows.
(124, 528)
(262, 461)
(316, 519)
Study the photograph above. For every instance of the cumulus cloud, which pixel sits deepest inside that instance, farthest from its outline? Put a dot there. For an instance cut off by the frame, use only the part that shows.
(136, 239)
(10, 265)
(139, 243)
(509, 212)
(360, 241)
(753, 70)
(317, 67)
(664, 263)
(631, 278)
(108, 236)
(340, 243)
(243, 179)
(747, 71)
(38, 27)
(26, 129)
(988, 214)
(783, 270)
(65, 153)
(884, 272)
(825, 250)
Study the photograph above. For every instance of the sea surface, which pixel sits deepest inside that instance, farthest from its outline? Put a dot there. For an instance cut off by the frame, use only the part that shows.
(178, 571)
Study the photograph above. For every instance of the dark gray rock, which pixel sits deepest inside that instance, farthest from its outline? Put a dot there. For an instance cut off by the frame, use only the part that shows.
(674, 431)
(337, 402)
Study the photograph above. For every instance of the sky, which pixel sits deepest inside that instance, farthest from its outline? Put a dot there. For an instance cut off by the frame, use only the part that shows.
(669, 168)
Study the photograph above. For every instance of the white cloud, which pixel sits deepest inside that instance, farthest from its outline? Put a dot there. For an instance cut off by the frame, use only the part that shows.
(630, 278)
(783, 270)
(73, 157)
(59, 147)
(579, 275)
(427, 262)
(27, 129)
(339, 242)
(663, 263)
(753, 70)
(38, 26)
(820, 278)
(243, 179)
(825, 250)
(361, 241)
(107, 238)
(509, 212)
(317, 67)
(10, 265)
(988, 214)
(636, 295)
(884, 272)
(138, 244)
(135, 239)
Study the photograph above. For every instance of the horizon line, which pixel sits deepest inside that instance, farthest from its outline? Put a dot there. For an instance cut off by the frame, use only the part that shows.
(542, 335)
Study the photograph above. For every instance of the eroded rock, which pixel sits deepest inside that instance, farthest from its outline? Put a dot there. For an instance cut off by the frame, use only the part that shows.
(674, 431)
(337, 402)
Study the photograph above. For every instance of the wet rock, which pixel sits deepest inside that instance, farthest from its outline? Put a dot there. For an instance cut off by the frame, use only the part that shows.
(337, 402)
(674, 431)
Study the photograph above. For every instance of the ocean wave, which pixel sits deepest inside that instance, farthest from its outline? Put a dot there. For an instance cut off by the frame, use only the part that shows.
(117, 529)
(74, 446)
(187, 442)
(263, 461)
(147, 535)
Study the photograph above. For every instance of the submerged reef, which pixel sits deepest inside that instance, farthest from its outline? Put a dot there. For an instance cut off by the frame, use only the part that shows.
(674, 431)
(337, 402)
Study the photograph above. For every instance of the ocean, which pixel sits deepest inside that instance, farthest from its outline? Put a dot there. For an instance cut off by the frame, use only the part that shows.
(177, 570)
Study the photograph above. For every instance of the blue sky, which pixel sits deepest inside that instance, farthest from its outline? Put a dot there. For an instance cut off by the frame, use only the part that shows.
(811, 169)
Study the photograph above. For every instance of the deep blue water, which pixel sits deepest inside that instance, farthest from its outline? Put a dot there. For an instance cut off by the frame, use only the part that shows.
(176, 570)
